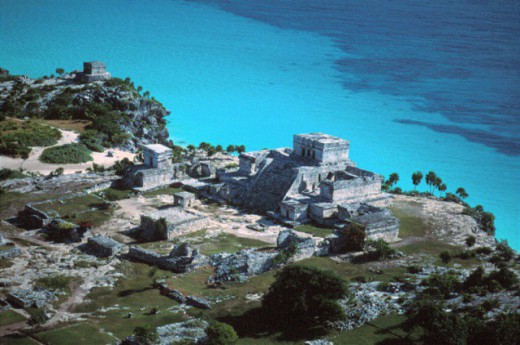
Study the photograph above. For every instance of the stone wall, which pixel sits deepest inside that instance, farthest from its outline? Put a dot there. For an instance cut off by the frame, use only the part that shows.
(353, 190)
(153, 228)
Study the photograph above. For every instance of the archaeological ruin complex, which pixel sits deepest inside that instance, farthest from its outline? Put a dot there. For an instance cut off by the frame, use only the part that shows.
(314, 181)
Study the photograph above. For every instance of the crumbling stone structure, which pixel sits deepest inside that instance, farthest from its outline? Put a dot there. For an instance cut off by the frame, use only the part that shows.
(157, 170)
(103, 247)
(311, 182)
(93, 71)
(184, 199)
(169, 223)
(181, 259)
(24, 298)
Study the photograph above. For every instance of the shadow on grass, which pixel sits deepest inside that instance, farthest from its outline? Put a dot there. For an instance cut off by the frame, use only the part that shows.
(257, 323)
(129, 292)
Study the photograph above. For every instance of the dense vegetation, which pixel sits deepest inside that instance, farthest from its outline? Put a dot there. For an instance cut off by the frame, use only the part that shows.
(66, 154)
(17, 138)
(7, 174)
(304, 297)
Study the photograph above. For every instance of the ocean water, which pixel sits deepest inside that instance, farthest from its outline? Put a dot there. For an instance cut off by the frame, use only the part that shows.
(430, 85)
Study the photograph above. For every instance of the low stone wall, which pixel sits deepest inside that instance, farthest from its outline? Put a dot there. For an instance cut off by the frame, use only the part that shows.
(10, 253)
(174, 264)
(187, 226)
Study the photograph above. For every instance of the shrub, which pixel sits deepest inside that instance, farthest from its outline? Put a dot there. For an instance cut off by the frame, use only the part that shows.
(121, 166)
(66, 154)
(303, 297)
(38, 316)
(8, 174)
(445, 257)
(353, 236)
(93, 139)
(446, 283)
(146, 334)
(221, 334)
(378, 250)
(470, 241)
(57, 282)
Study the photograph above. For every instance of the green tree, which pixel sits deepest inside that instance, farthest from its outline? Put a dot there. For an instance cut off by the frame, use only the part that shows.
(139, 89)
(303, 297)
(417, 178)
(437, 325)
(241, 149)
(461, 192)
(442, 188)
(353, 237)
(231, 149)
(60, 71)
(445, 256)
(431, 179)
(220, 333)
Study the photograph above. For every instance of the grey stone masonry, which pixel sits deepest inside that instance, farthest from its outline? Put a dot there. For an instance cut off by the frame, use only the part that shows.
(24, 298)
(321, 147)
(304, 184)
(93, 71)
(171, 222)
(183, 199)
(157, 156)
(103, 246)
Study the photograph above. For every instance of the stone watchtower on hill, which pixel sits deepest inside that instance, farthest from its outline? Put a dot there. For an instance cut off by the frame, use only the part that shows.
(94, 71)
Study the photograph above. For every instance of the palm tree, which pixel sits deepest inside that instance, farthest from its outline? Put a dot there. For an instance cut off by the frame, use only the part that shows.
(241, 149)
(231, 149)
(416, 179)
(60, 71)
(139, 89)
(437, 183)
(431, 178)
(461, 192)
(442, 188)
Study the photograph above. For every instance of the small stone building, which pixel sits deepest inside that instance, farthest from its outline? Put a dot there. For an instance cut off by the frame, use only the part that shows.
(183, 199)
(157, 170)
(169, 223)
(102, 246)
(93, 71)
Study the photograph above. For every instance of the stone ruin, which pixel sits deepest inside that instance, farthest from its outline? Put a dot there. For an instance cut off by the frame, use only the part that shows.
(170, 222)
(93, 71)
(157, 170)
(181, 259)
(102, 246)
(315, 181)
(24, 298)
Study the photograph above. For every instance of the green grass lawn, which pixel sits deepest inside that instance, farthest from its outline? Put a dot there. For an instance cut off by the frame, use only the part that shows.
(410, 223)
(10, 316)
(314, 230)
(71, 206)
(85, 208)
(378, 331)
(161, 191)
(81, 333)
(17, 339)
(229, 244)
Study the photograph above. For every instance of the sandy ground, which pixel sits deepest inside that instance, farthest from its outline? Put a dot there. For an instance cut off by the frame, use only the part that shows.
(34, 165)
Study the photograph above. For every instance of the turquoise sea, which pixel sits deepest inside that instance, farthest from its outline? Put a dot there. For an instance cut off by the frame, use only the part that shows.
(430, 85)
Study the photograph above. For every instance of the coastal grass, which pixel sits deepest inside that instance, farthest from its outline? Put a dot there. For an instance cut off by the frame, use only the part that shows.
(9, 317)
(314, 230)
(82, 333)
(66, 154)
(113, 194)
(410, 222)
(69, 125)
